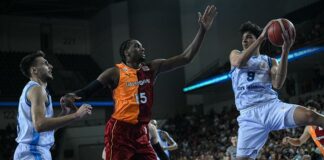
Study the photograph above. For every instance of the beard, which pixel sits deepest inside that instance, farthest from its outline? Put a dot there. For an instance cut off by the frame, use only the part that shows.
(48, 77)
(141, 58)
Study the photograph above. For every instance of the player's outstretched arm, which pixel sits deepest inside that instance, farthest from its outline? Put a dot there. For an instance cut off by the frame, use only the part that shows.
(37, 97)
(238, 59)
(297, 141)
(205, 22)
(108, 78)
(279, 72)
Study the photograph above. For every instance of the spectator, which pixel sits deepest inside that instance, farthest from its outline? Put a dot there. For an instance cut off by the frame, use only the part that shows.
(231, 150)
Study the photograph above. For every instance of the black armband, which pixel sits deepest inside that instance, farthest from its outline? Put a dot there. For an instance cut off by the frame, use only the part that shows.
(159, 152)
(88, 90)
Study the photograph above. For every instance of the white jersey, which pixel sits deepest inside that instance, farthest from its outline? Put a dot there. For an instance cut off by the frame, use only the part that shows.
(252, 83)
(26, 131)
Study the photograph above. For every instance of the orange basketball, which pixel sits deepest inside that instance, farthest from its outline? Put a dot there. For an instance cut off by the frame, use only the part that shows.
(275, 31)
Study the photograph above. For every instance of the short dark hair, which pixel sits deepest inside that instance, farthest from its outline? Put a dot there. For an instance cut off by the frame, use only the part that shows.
(124, 46)
(251, 27)
(28, 61)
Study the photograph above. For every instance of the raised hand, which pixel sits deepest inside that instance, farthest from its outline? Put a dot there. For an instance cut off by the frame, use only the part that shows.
(263, 34)
(206, 20)
(289, 39)
(67, 102)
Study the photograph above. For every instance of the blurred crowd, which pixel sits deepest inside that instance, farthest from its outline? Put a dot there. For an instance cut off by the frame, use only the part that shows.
(202, 136)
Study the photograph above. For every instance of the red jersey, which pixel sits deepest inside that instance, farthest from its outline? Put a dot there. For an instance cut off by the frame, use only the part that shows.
(317, 133)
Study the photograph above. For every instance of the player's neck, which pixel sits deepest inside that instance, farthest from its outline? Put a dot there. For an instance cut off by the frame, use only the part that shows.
(135, 65)
(39, 81)
(256, 53)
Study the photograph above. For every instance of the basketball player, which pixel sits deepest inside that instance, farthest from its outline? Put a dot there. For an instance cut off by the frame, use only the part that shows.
(131, 82)
(36, 124)
(154, 139)
(254, 78)
(317, 133)
(164, 139)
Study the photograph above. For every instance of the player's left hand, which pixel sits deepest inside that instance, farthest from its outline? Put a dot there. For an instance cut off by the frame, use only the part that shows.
(288, 38)
(206, 20)
(67, 102)
(263, 34)
(65, 110)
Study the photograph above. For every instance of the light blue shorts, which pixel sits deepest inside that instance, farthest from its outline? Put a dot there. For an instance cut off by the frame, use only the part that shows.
(255, 123)
(32, 152)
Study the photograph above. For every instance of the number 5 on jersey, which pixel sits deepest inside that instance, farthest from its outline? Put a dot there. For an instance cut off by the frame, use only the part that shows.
(141, 98)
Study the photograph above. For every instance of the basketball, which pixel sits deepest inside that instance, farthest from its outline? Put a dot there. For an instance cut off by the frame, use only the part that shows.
(276, 28)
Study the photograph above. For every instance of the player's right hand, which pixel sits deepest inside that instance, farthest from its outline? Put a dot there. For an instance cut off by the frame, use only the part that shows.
(285, 140)
(206, 20)
(263, 34)
(67, 101)
(84, 110)
(289, 40)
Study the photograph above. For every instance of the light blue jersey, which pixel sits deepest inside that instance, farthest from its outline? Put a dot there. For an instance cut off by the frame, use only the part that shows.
(163, 143)
(260, 109)
(32, 143)
(252, 83)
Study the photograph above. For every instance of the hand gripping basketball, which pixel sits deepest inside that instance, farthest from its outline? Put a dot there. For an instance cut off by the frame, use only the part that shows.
(281, 32)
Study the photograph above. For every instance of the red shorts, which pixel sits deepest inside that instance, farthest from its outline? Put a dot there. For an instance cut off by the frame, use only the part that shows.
(125, 141)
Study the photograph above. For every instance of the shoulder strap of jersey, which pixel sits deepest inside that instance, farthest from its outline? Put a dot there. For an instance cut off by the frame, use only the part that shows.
(32, 84)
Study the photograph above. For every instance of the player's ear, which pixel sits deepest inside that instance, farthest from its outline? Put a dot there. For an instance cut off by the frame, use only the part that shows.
(126, 53)
(33, 70)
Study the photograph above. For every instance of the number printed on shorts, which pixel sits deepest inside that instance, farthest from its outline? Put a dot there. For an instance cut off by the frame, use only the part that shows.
(141, 98)
(250, 76)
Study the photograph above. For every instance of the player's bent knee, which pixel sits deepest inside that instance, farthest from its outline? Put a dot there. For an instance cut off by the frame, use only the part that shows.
(304, 116)
(311, 116)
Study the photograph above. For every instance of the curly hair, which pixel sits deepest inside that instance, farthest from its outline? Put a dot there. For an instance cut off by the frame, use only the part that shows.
(251, 27)
(124, 46)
